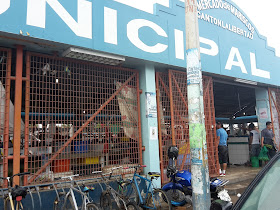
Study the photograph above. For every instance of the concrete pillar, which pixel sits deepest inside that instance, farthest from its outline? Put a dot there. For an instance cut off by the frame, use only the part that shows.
(262, 107)
(149, 123)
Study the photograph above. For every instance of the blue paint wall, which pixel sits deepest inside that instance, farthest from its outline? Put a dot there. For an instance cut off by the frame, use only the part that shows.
(167, 18)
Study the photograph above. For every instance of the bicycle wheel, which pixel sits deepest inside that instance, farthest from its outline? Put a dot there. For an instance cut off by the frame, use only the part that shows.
(129, 191)
(132, 206)
(158, 200)
(91, 206)
(105, 201)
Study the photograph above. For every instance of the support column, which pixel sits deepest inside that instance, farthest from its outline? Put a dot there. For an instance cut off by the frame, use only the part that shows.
(149, 123)
(262, 107)
(17, 114)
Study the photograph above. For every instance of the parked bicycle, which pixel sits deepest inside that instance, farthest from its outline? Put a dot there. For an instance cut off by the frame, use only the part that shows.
(67, 200)
(106, 196)
(12, 200)
(150, 197)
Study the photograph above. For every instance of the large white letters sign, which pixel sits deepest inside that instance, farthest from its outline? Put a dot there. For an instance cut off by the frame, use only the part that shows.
(36, 15)
(133, 35)
(234, 52)
(4, 6)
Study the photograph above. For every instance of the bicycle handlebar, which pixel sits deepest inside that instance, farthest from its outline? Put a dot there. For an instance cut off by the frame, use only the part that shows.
(139, 166)
(96, 172)
(67, 177)
(19, 174)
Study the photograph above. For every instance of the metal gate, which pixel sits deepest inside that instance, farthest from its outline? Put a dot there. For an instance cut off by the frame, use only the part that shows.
(274, 101)
(173, 119)
(81, 116)
(6, 126)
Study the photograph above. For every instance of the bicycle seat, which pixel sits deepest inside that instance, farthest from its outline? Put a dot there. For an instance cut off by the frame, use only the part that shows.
(87, 189)
(154, 174)
(19, 191)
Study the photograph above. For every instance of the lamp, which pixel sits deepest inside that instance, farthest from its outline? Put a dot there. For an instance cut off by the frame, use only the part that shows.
(93, 56)
(245, 81)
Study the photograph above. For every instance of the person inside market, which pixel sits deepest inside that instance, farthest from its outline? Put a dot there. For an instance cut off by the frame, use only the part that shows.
(222, 137)
(268, 140)
(254, 141)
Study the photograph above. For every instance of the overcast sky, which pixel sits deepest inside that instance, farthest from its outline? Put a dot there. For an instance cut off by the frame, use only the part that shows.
(266, 17)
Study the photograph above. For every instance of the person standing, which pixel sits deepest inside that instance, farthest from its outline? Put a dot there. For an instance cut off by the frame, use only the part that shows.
(254, 141)
(222, 137)
(268, 140)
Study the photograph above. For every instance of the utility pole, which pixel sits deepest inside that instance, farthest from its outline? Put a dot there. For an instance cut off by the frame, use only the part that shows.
(197, 133)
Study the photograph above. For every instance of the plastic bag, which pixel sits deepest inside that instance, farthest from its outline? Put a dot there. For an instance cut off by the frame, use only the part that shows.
(263, 154)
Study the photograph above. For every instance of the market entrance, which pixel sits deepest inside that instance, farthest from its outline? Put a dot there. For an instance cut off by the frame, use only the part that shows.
(173, 119)
(235, 107)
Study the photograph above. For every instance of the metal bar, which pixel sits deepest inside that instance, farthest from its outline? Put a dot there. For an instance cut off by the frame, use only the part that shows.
(164, 86)
(11, 157)
(270, 104)
(214, 129)
(159, 126)
(275, 104)
(139, 120)
(207, 92)
(171, 108)
(82, 127)
(178, 114)
(209, 137)
(7, 117)
(180, 92)
(17, 114)
(23, 78)
(168, 94)
(27, 101)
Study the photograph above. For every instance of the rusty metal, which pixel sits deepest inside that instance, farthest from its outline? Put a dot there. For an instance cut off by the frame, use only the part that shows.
(178, 92)
(141, 149)
(27, 100)
(17, 113)
(270, 96)
(99, 103)
(5, 71)
(214, 134)
(272, 100)
(210, 124)
(159, 117)
(171, 109)
(179, 99)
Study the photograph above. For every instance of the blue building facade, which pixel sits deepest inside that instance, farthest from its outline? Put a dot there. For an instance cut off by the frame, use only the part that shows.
(145, 35)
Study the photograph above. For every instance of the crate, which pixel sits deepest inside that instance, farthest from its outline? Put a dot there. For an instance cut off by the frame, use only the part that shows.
(91, 160)
(61, 165)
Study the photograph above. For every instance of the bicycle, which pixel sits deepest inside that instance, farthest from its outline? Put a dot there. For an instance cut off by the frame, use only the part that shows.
(16, 193)
(152, 198)
(67, 200)
(105, 198)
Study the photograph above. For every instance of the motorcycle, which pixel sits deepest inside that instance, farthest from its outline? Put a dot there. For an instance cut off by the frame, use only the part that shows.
(179, 189)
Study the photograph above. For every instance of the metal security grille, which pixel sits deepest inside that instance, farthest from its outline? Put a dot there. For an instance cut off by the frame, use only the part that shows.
(173, 119)
(210, 126)
(274, 100)
(6, 126)
(82, 117)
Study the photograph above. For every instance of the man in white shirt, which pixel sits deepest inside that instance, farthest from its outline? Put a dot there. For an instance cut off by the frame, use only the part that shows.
(254, 140)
